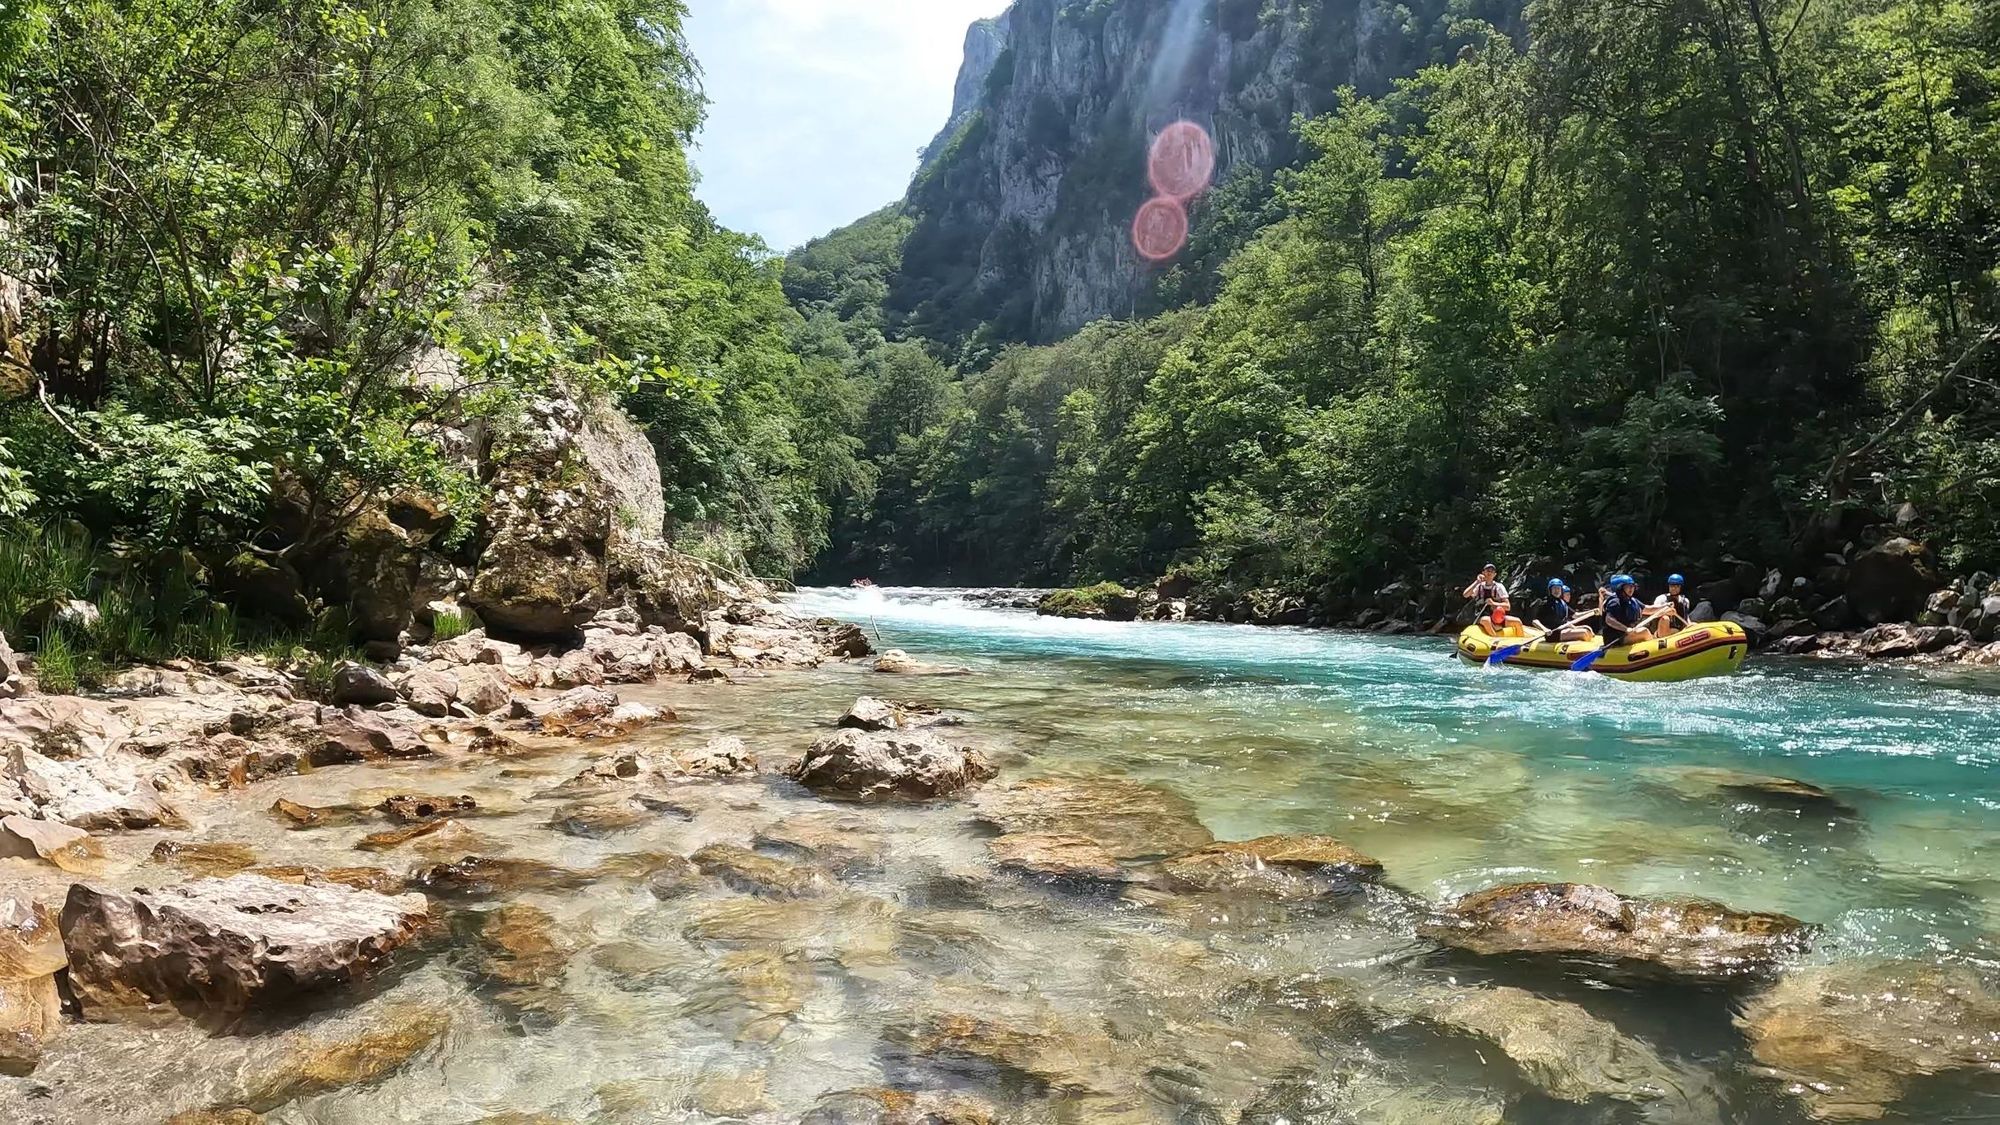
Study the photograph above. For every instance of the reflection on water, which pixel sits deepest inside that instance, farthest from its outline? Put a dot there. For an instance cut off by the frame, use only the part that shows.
(650, 994)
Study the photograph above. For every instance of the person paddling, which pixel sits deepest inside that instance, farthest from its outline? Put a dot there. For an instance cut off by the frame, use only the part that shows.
(1625, 620)
(1673, 607)
(1557, 615)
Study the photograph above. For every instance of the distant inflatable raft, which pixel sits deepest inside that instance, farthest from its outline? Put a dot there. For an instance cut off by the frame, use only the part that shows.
(1715, 648)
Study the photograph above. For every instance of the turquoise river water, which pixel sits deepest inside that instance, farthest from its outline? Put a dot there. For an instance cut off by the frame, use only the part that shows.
(883, 947)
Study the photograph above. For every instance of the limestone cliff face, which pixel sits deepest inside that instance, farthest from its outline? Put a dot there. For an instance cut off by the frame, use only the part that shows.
(1024, 205)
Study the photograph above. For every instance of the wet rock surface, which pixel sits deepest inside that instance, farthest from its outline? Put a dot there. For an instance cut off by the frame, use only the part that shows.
(228, 945)
(896, 662)
(415, 808)
(1285, 867)
(857, 765)
(31, 954)
(882, 1106)
(841, 841)
(1850, 1038)
(327, 1063)
(1059, 856)
(214, 857)
(1129, 819)
(870, 713)
(1691, 936)
(753, 873)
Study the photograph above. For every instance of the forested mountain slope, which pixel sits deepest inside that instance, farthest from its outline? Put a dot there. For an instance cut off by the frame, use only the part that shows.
(1670, 282)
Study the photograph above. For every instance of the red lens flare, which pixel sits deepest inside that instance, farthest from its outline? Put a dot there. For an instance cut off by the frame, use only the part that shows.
(1182, 161)
(1160, 229)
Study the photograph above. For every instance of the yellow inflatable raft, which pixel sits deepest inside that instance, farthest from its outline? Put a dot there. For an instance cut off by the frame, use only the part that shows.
(1714, 648)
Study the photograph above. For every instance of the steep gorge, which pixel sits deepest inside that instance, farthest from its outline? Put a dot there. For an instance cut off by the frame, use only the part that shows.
(1023, 206)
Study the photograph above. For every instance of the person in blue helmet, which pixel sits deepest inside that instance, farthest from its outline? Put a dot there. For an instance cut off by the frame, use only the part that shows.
(1625, 620)
(1557, 614)
(1672, 608)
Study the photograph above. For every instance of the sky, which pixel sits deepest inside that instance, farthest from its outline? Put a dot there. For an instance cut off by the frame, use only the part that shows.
(817, 108)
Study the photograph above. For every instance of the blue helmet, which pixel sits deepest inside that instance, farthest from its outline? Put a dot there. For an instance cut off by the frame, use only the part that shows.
(1620, 581)
(1558, 584)
(1677, 580)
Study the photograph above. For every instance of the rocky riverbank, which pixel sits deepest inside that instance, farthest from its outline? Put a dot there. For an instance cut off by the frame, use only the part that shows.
(324, 906)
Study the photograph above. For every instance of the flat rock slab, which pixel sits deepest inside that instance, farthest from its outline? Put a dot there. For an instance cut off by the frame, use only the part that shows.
(1129, 819)
(1283, 867)
(1565, 1051)
(752, 873)
(228, 945)
(1690, 936)
(1060, 856)
(859, 765)
(843, 841)
(1850, 1037)
(205, 858)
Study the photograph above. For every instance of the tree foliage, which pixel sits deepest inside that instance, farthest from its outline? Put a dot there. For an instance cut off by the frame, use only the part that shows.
(275, 256)
(1672, 281)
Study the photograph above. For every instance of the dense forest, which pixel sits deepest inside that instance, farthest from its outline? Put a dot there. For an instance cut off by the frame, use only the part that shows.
(268, 268)
(1674, 281)
(1684, 281)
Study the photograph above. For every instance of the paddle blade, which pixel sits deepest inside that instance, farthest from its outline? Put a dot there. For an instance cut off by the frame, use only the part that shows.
(1502, 655)
(1584, 662)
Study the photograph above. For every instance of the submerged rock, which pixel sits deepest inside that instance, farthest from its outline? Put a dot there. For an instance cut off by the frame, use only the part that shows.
(205, 858)
(1763, 789)
(674, 878)
(747, 871)
(882, 1106)
(1068, 1054)
(359, 878)
(1691, 936)
(1060, 856)
(31, 954)
(327, 1063)
(521, 945)
(839, 840)
(857, 765)
(1285, 867)
(228, 945)
(1849, 1038)
(480, 876)
(1359, 1096)
(442, 832)
(311, 816)
(595, 821)
(1130, 820)
(1565, 1051)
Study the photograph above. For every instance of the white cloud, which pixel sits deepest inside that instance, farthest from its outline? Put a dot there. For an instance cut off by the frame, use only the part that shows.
(818, 107)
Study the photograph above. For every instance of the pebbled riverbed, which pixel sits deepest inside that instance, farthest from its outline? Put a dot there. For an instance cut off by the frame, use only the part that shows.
(882, 948)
